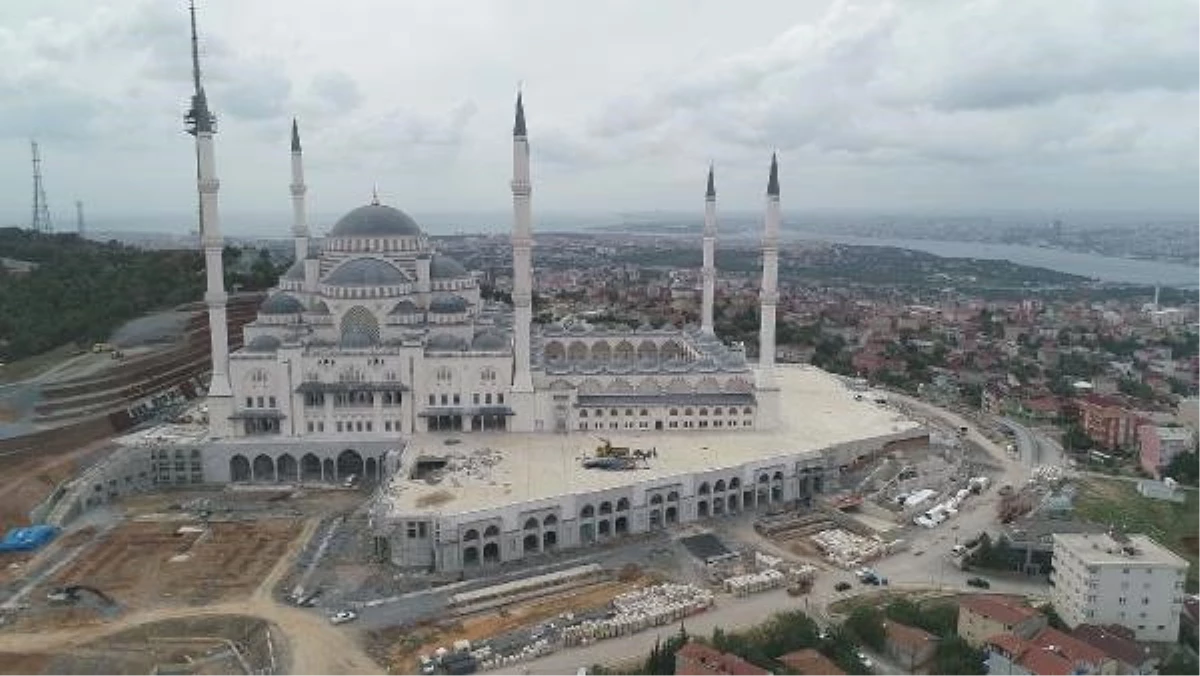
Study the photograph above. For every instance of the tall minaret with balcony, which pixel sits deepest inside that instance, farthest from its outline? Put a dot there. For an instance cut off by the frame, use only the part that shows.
(299, 213)
(522, 251)
(709, 273)
(201, 123)
(769, 298)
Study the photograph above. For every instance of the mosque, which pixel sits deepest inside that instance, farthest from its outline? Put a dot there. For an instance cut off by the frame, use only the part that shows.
(376, 359)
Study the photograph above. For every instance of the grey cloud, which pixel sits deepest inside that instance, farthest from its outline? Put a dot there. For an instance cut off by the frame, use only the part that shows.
(336, 92)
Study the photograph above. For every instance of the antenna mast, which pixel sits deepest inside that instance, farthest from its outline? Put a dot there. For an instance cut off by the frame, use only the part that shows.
(41, 212)
(79, 217)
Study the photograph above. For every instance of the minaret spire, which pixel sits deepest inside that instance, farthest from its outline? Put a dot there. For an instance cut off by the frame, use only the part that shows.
(522, 248)
(200, 125)
(769, 298)
(298, 189)
(709, 273)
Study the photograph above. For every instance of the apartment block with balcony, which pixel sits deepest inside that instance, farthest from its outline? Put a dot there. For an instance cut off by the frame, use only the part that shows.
(1110, 578)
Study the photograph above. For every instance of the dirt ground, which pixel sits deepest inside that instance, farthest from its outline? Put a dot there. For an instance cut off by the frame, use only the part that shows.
(399, 647)
(144, 565)
(26, 483)
(308, 643)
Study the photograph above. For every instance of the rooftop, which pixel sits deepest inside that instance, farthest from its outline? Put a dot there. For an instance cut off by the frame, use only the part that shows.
(1002, 609)
(1114, 640)
(810, 661)
(496, 468)
(1103, 548)
(706, 660)
(911, 638)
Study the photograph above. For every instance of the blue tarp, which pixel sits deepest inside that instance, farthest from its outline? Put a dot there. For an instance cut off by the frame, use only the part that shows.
(27, 539)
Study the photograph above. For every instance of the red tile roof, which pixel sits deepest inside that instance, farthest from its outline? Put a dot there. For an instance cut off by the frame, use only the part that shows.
(910, 638)
(809, 661)
(703, 660)
(1115, 641)
(1069, 646)
(1046, 662)
(1010, 644)
(1002, 609)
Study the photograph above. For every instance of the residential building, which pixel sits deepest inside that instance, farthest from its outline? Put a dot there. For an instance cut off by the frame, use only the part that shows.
(1108, 421)
(981, 617)
(1049, 652)
(698, 659)
(810, 662)
(1159, 445)
(1109, 578)
(1118, 643)
(911, 647)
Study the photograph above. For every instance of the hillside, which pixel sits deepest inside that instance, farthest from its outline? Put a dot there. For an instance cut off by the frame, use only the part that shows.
(81, 290)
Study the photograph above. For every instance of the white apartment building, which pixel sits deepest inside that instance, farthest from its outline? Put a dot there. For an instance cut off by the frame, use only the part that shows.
(1114, 579)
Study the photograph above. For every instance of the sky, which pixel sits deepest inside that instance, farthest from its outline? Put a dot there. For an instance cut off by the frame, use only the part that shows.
(934, 105)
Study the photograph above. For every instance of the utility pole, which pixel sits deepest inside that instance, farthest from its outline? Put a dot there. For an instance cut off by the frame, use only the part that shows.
(79, 217)
(40, 221)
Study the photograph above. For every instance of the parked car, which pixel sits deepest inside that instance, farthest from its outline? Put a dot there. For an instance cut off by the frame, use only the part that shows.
(343, 616)
(842, 586)
(979, 582)
(958, 550)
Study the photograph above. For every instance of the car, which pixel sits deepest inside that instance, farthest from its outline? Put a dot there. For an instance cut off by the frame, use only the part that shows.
(343, 616)
(958, 550)
(823, 634)
(842, 586)
(351, 481)
(862, 657)
(979, 582)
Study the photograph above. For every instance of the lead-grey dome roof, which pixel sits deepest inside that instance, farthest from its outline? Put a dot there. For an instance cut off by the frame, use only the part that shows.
(445, 267)
(404, 307)
(376, 220)
(281, 304)
(489, 340)
(448, 304)
(445, 341)
(264, 344)
(365, 272)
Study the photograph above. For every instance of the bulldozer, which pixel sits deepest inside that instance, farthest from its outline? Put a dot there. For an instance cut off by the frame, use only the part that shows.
(607, 450)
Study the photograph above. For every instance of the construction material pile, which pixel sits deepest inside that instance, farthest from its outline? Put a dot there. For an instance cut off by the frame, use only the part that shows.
(641, 609)
(744, 585)
(845, 549)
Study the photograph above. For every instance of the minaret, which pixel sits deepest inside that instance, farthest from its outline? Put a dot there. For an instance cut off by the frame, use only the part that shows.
(710, 272)
(299, 216)
(522, 245)
(769, 294)
(202, 124)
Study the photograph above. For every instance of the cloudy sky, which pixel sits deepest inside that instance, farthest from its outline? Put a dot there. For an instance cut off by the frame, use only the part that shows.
(931, 105)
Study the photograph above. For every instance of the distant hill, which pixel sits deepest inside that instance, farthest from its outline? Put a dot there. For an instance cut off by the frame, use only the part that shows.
(82, 290)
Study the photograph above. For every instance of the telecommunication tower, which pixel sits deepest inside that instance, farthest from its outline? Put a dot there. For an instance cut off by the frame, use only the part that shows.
(79, 217)
(41, 212)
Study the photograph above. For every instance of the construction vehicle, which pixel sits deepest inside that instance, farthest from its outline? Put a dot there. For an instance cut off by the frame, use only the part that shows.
(102, 347)
(612, 457)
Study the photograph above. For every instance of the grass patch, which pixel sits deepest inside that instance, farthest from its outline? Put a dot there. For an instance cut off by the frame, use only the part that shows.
(1173, 525)
(26, 368)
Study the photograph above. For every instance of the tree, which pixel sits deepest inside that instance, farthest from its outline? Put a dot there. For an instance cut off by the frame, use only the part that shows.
(1184, 468)
(1180, 662)
(866, 624)
(955, 656)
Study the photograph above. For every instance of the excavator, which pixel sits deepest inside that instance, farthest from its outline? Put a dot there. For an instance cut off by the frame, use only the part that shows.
(612, 457)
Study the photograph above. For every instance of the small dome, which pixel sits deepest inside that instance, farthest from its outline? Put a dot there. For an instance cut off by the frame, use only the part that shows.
(354, 339)
(376, 220)
(319, 308)
(445, 267)
(295, 273)
(404, 307)
(448, 304)
(366, 272)
(264, 344)
(281, 304)
(489, 340)
(445, 341)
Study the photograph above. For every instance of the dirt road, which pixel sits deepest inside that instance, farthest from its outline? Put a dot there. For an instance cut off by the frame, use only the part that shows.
(314, 645)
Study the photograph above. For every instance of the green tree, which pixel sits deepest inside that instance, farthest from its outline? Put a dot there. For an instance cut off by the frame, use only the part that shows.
(866, 624)
(1180, 662)
(955, 656)
(1184, 468)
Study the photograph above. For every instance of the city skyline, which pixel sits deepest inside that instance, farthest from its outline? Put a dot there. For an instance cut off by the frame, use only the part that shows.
(1085, 112)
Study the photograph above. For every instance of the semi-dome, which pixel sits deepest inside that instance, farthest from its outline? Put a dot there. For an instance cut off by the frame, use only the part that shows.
(366, 272)
(447, 304)
(376, 220)
(445, 341)
(489, 340)
(264, 344)
(404, 307)
(281, 304)
(319, 308)
(445, 267)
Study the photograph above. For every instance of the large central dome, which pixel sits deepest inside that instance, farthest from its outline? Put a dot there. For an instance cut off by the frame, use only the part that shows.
(376, 220)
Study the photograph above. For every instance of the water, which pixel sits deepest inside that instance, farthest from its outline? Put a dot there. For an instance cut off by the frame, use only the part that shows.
(1095, 266)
